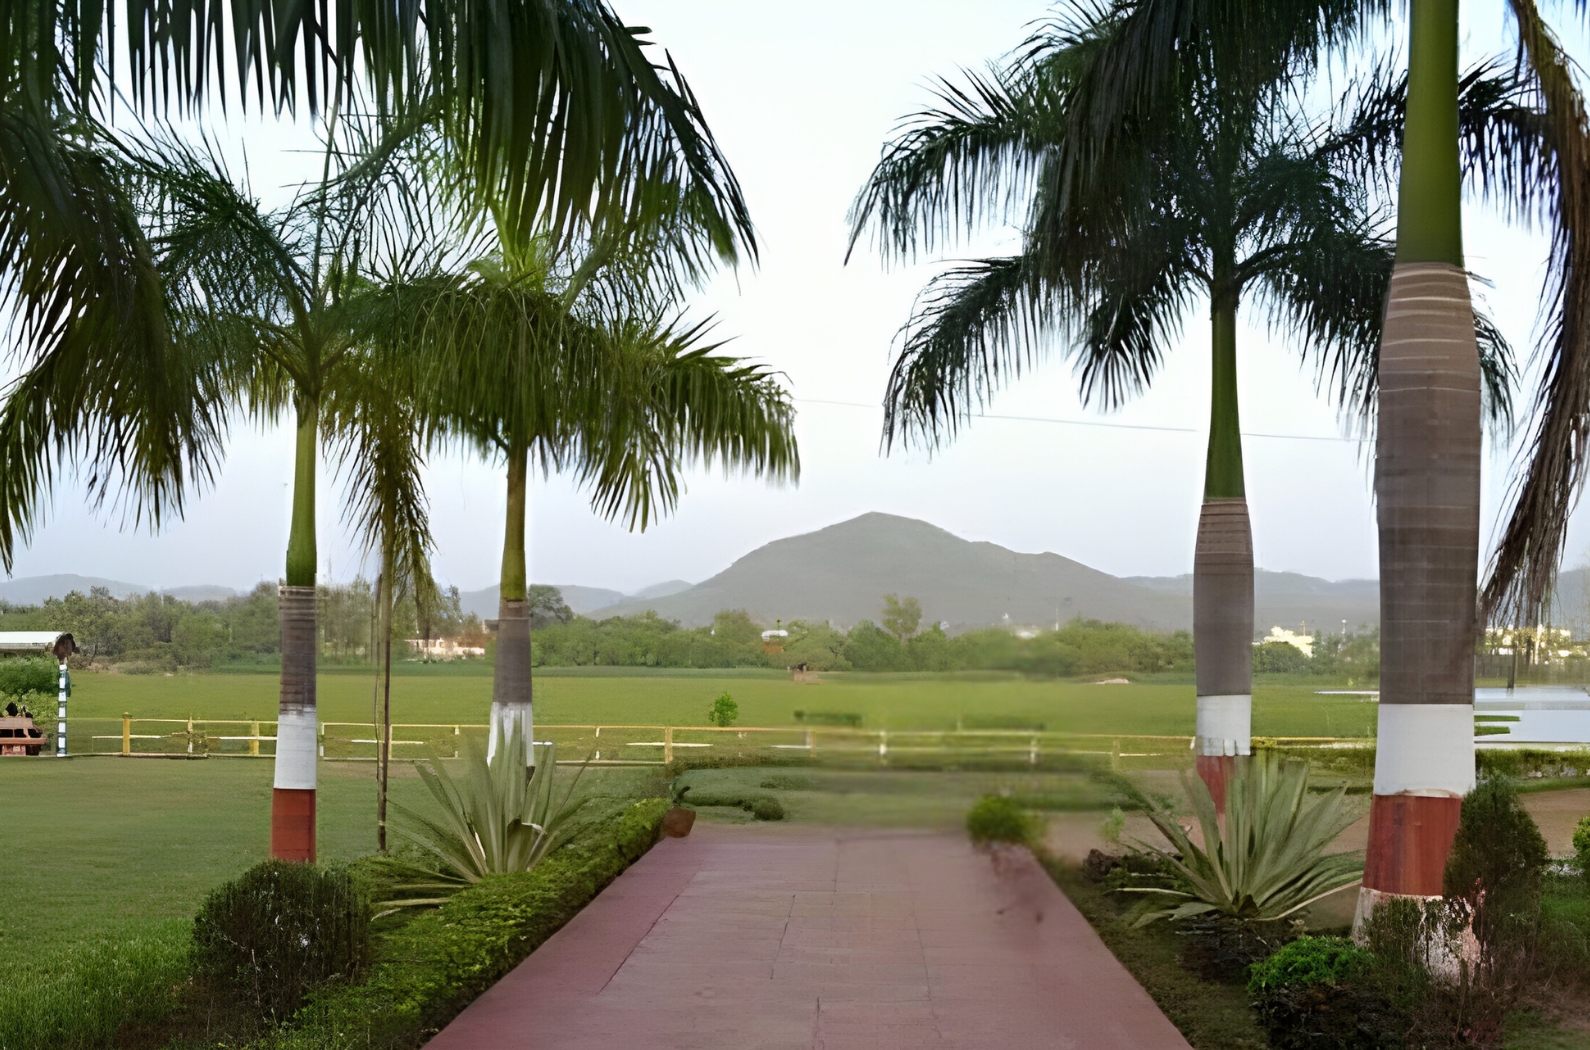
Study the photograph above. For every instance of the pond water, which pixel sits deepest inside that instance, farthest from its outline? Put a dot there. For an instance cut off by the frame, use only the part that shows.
(1546, 715)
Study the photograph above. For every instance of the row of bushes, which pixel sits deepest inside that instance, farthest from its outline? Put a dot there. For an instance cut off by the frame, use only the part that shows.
(431, 966)
(287, 956)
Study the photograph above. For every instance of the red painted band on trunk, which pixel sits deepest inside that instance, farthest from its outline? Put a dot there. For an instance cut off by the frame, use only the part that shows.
(1216, 771)
(1409, 839)
(293, 825)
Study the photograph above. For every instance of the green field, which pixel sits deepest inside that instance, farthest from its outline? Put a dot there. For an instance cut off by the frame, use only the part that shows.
(636, 696)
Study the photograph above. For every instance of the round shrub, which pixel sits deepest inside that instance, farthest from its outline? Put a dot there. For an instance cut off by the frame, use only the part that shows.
(280, 930)
(1581, 845)
(1318, 993)
(995, 818)
(1306, 961)
(767, 808)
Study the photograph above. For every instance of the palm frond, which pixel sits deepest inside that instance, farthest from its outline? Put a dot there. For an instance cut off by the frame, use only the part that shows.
(87, 301)
(1523, 568)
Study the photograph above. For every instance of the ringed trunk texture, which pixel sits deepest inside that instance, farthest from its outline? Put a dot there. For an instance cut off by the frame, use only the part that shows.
(1223, 640)
(1223, 565)
(510, 686)
(1427, 488)
(293, 794)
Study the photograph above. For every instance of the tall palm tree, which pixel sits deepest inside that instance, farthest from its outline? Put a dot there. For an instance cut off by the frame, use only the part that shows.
(562, 357)
(281, 303)
(1427, 475)
(1216, 190)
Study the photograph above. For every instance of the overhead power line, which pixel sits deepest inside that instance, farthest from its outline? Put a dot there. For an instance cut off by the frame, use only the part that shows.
(1095, 423)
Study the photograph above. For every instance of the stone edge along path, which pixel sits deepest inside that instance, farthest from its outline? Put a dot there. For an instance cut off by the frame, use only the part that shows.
(745, 937)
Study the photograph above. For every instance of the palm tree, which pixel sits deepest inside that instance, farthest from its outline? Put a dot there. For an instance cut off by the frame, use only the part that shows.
(1215, 190)
(1427, 474)
(553, 110)
(562, 357)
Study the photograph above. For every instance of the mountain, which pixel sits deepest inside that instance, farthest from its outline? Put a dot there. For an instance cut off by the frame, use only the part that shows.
(1290, 599)
(201, 592)
(31, 590)
(662, 590)
(583, 600)
(841, 574)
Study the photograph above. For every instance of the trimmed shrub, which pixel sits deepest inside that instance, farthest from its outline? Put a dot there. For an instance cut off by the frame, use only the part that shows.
(280, 930)
(1495, 869)
(1318, 993)
(995, 818)
(767, 808)
(435, 964)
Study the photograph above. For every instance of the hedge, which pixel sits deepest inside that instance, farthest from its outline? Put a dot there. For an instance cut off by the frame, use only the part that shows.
(439, 961)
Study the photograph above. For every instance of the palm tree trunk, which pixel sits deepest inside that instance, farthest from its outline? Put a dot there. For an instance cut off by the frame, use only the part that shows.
(293, 799)
(510, 687)
(1427, 490)
(383, 758)
(1223, 571)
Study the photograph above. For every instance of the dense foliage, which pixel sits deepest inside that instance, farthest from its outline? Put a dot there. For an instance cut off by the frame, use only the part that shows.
(999, 819)
(279, 931)
(24, 678)
(159, 632)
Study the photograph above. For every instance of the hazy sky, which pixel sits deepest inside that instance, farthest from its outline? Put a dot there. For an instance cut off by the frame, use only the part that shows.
(801, 98)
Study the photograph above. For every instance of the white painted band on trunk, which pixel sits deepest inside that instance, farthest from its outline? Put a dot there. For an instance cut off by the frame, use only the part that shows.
(1225, 725)
(295, 750)
(505, 718)
(1425, 749)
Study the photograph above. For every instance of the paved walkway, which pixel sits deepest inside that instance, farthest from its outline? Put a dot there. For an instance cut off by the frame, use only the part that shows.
(764, 938)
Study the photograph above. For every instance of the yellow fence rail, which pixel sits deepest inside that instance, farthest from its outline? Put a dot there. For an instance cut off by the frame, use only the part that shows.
(650, 744)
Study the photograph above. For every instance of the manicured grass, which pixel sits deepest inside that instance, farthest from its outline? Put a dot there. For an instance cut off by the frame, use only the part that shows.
(885, 701)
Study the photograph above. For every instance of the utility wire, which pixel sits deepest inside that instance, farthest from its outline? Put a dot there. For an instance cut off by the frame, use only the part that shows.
(1092, 423)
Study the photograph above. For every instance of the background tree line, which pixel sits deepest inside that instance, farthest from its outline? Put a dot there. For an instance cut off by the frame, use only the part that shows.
(153, 633)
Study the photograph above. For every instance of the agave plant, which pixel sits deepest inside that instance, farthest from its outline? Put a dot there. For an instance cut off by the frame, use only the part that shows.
(1269, 860)
(495, 821)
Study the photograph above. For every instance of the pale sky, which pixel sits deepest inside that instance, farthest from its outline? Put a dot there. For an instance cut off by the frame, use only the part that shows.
(801, 99)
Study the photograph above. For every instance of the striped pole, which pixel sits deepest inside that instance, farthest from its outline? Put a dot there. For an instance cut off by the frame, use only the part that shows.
(62, 687)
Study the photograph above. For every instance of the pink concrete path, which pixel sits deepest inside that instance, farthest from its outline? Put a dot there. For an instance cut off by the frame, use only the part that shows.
(760, 938)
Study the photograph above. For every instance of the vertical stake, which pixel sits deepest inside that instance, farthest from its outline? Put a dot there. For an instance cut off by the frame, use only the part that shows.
(668, 744)
(126, 733)
(60, 712)
(253, 738)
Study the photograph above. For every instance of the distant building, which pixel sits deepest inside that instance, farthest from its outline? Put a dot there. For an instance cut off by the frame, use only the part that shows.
(443, 649)
(1304, 643)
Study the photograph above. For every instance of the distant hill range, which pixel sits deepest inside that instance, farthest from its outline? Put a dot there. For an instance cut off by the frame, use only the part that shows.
(586, 601)
(33, 590)
(841, 574)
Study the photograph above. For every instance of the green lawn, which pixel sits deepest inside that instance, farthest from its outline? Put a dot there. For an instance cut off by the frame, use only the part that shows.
(885, 701)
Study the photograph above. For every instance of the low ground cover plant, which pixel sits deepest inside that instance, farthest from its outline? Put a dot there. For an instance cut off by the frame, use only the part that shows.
(999, 819)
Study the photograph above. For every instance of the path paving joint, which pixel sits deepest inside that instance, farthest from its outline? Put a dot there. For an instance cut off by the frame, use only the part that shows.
(763, 938)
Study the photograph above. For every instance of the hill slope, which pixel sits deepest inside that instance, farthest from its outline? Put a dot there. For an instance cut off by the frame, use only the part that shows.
(841, 573)
(1290, 599)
